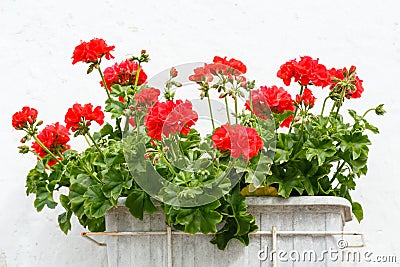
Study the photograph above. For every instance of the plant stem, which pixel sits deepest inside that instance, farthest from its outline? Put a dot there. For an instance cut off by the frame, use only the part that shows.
(251, 103)
(296, 110)
(227, 110)
(323, 106)
(89, 172)
(236, 110)
(104, 82)
(46, 149)
(337, 171)
(366, 112)
(95, 144)
(87, 140)
(340, 101)
(211, 113)
(168, 165)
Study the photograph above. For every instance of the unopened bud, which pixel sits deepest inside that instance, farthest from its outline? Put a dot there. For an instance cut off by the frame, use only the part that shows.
(379, 110)
(166, 148)
(39, 123)
(146, 155)
(23, 139)
(23, 149)
(173, 72)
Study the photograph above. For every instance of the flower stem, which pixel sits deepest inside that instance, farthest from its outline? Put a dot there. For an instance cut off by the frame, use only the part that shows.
(104, 82)
(340, 102)
(95, 144)
(211, 113)
(168, 165)
(236, 110)
(323, 106)
(339, 168)
(296, 110)
(227, 110)
(87, 140)
(366, 112)
(251, 103)
(46, 149)
(89, 172)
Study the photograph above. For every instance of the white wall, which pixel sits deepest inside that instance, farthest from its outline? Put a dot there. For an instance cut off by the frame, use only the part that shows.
(36, 43)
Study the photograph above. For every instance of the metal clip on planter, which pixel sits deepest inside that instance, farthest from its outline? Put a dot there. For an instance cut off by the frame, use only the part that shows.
(274, 233)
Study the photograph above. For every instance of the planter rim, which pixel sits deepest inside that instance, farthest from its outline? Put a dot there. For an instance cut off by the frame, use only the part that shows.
(293, 201)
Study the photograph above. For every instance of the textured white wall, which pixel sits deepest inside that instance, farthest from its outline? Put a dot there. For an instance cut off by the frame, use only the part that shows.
(37, 39)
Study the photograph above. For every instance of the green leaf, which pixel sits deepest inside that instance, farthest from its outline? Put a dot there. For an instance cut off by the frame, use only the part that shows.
(96, 224)
(319, 148)
(78, 188)
(64, 221)
(357, 211)
(96, 204)
(287, 178)
(201, 219)
(64, 200)
(44, 198)
(114, 182)
(138, 202)
(106, 130)
(356, 143)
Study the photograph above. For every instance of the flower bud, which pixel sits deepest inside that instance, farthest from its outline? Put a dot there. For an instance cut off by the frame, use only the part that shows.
(379, 110)
(146, 155)
(166, 148)
(173, 72)
(39, 123)
(23, 149)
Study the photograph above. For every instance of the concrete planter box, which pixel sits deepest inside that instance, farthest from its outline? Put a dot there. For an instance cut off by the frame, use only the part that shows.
(316, 214)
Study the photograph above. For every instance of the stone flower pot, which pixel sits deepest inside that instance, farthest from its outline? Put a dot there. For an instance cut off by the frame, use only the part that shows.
(303, 227)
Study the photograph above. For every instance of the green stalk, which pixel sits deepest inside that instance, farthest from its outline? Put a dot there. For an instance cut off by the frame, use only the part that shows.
(251, 104)
(168, 165)
(296, 110)
(89, 172)
(323, 106)
(366, 112)
(339, 168)
(46, 149)
(87, 140)
(340, 102)
(211, 113)
(95, 144)
(236, 110)
(227, 110)
(104, 82)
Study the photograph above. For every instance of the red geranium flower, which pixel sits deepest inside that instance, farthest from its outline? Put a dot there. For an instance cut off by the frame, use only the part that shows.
(306, 71)
(233, 63)
(239, 140)
(92, 51)
(147, 96)
(342, 74)
(169, 117)
(78, 116)
(123, 73)
(21, 119)
(202, 74)
(307, 98)
(54, 138)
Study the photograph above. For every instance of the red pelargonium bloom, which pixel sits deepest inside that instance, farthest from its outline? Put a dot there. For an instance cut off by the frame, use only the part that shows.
(147, 96)
(202, 74)
(307, 98)
(305, 71)
(79, 114)
(92, 51)
(233, 63)
(54, 138)
(266, 99)
(350, 75)
(239, 140)
(21, 119)
(169, 117)
(123, 73)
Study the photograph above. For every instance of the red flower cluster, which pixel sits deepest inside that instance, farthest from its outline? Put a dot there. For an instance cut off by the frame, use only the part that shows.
(275, 99)
(54, 138)
(239, 140)
(169, 117)
(227, 67)
(147, 96)
(233, 63)
(341, 74)
(21, 119)
(123, 73)
(306, 71)
(92, 51)
(77, 115)
(307, 98)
